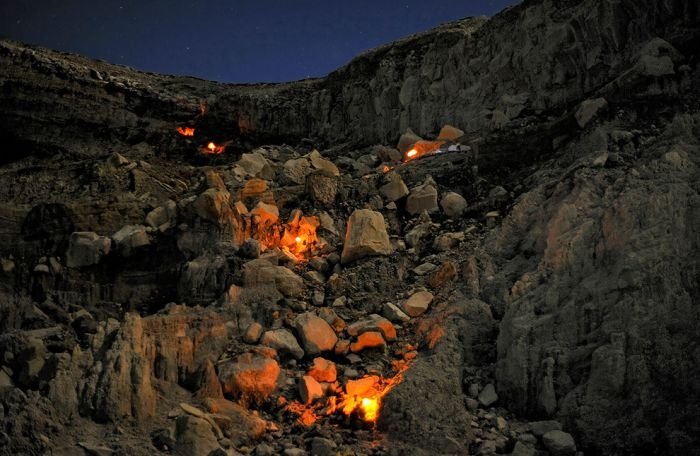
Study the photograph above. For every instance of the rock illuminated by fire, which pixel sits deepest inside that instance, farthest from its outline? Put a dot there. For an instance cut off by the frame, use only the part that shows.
(186, 131)
(363, 397)
(299, 237)
(360, 398)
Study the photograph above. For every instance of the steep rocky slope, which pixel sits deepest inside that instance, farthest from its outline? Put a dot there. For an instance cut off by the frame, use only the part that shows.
(564, 286)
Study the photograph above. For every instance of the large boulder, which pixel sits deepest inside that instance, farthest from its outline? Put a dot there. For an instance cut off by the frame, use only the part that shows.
(86, 249)
(365, 236)
(250, 377)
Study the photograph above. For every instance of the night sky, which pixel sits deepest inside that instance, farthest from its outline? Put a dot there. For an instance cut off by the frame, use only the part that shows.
(230, 41)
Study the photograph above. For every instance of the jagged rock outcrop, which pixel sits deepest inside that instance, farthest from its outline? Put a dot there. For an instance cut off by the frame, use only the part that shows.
(538, 55)
(132, 362)
(595, 273)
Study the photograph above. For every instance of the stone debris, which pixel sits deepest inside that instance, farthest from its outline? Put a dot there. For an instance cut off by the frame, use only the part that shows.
(488, 396)
(315, 334)
(422, 198)
(309, 389)
(418, 303)
(453, 204)
(559, 443)
(284, 342)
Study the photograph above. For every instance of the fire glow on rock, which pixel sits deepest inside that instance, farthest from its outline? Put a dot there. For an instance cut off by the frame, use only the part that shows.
(297, 237)
(213, 149)
(361, 398)
(186, 131)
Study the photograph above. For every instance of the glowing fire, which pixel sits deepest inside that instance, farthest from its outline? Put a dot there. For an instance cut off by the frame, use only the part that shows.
(299, 236)
(213, 149)
(363, 397)
(186, 131)
(422, 148)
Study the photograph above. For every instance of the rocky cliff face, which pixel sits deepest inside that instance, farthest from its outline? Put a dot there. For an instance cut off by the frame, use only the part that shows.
(553, 257)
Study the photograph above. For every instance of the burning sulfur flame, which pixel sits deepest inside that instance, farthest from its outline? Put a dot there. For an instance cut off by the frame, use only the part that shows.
(423, 148)
(361, 398)
(186, 131)
(364, 396)
(213, 149)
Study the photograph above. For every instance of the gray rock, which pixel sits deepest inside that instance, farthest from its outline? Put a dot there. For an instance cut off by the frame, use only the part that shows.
(520, 449)
(559, 443)
(264, 449)
(422, 198)
(251, 248)
(323, 447)
(283, 341)
(418, 303)
(488, 396)
(539, 428)
(453, 204)
(394, 313)
(295, 171)
(588, 110)
(322, 187)
(194, 436)
(130, 238)
(394, 189)
(253, 333)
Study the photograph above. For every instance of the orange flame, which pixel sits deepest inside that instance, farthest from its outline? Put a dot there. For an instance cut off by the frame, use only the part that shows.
(186, 131)
(421, 148)
(364, 396)
(299, 236)
(213, 149)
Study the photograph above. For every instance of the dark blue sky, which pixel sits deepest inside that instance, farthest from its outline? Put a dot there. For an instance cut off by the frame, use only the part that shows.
(228, 40)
